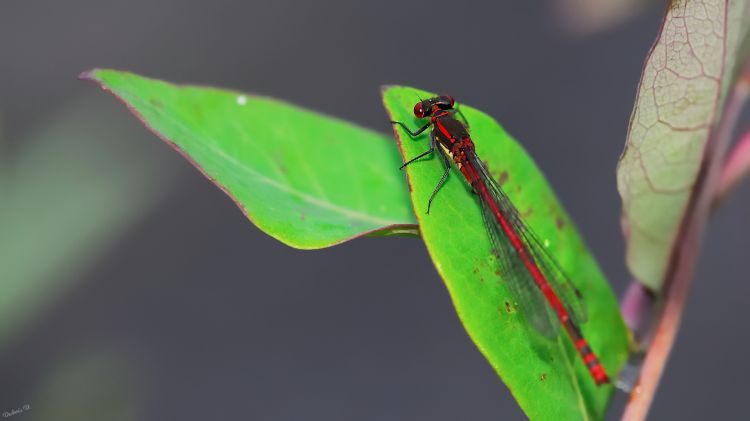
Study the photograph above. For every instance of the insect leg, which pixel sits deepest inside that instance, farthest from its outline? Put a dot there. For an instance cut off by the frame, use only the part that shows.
(447, 165)
(463, 117)
(423, 154)
(411, 133)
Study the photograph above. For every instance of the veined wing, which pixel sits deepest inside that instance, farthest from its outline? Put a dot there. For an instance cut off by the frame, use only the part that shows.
(520, 280)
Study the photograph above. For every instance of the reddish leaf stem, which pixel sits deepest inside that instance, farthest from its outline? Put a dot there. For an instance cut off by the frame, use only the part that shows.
(682, 261)
(736, 167)
(737, 164)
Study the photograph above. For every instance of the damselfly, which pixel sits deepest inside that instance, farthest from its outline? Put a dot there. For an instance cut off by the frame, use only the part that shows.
(532, 275)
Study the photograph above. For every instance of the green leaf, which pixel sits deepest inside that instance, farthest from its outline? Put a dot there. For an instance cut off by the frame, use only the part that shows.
(680, 103)
(68, 192)
(308, 180)
(547, 378)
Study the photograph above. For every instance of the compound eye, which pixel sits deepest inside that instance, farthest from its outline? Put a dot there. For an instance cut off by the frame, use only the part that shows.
(451, 100)
(419, 110)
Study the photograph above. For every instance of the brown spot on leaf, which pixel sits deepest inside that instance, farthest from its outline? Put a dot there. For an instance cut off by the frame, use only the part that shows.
(528, 213)
(543, 377)
(559, 222)
(508, 307)
(502, 178)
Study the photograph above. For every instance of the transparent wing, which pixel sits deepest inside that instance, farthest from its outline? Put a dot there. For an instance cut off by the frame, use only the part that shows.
(560, 283)
(531, 301)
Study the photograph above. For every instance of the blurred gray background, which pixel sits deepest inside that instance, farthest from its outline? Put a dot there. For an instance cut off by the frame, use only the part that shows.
(189, 312)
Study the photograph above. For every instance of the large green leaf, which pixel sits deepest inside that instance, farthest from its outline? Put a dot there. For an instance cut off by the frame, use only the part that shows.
(308, 180)
(546, 377)
(680, 102)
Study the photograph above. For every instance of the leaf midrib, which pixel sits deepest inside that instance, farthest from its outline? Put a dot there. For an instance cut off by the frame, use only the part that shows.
(326, 205)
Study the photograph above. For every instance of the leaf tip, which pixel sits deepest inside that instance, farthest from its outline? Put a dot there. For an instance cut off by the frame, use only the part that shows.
(385, 88)
(89, 75)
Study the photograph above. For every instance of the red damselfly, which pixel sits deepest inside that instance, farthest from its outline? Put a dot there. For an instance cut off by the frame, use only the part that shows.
(534, 278)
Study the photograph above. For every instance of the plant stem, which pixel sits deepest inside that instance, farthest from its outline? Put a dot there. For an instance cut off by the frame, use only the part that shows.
(737, 164)
(682, 260)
